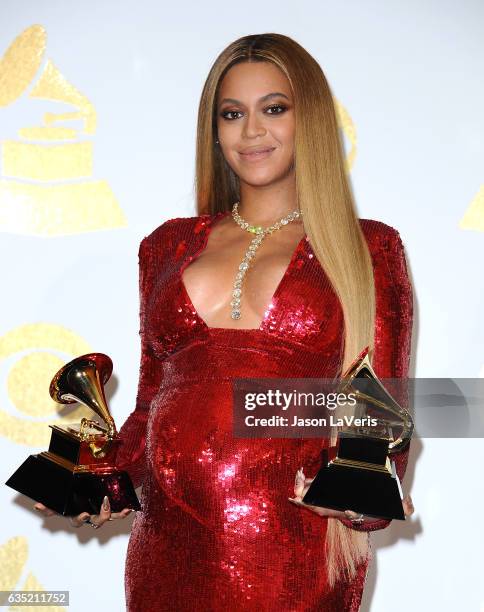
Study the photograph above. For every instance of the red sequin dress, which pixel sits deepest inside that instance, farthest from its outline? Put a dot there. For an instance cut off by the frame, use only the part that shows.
(217, 532)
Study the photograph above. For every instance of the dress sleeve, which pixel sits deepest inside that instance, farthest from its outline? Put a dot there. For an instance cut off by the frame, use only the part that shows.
(393, 334)
(131, 454)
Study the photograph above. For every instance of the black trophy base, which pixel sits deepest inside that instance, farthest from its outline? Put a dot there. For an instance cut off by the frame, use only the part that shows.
(373, 493)
(70, 493)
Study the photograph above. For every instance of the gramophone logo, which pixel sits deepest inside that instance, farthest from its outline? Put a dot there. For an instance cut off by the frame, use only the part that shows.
(30, 355)
(13, 561)
(345, 123)
(46, 183)
(474, 215)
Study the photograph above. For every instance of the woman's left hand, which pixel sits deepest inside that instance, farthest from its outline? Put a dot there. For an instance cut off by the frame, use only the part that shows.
(301, 485)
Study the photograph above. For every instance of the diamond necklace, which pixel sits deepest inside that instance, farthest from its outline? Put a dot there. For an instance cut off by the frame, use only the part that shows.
(260, 234)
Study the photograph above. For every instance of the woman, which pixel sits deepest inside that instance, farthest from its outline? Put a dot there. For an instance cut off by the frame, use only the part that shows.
(218, 301)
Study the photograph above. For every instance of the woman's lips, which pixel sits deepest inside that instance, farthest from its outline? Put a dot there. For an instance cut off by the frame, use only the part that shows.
(256, 156)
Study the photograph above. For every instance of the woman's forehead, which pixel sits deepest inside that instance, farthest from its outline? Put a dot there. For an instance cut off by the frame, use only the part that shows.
(249, 80)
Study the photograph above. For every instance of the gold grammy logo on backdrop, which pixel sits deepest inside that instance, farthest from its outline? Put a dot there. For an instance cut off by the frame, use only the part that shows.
(46, 184)
(474, 215)
(345, 122)
(13, 558)
(32, 354)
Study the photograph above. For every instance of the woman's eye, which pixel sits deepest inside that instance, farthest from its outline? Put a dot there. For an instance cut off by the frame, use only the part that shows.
(225, 114)
(275, 109)
(275, 106)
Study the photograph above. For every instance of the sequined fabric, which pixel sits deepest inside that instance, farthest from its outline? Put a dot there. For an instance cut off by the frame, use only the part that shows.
(217, 532)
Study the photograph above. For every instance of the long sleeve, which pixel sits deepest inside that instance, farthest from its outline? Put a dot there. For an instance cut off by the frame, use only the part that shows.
(393, 333)
(131, 455)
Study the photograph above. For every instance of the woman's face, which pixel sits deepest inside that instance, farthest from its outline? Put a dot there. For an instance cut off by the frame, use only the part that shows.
(256, 123)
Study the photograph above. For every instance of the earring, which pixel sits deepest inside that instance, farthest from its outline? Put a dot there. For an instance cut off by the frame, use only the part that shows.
(217, 142)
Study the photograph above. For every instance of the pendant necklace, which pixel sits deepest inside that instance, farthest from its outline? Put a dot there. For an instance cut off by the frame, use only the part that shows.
(260, 234)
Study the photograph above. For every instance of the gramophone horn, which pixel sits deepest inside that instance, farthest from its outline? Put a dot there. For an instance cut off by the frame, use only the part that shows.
(82, 380)
(373, 392)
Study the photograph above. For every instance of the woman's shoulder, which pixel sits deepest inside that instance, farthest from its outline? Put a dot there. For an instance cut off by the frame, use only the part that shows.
(177, 225)
(380, 235)
(174, 230)
(387, 252)
(373, 228)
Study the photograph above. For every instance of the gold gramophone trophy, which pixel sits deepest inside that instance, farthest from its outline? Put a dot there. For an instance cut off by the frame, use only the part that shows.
(358, 473)
(78, 470)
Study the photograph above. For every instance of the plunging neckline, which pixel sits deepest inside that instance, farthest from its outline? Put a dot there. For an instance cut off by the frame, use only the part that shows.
(211, 222)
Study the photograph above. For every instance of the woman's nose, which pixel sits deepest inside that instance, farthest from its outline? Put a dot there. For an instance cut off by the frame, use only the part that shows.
(254, 126)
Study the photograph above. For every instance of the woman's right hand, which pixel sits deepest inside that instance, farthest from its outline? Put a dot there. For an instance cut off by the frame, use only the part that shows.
(95, 520)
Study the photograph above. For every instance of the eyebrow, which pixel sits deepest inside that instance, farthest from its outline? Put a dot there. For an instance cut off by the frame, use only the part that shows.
(263, 99)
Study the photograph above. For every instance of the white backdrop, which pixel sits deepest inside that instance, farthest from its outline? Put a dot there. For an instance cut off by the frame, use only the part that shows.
(78, 193)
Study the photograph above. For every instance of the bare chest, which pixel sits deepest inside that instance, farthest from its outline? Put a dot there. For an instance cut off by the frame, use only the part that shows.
(208, 279)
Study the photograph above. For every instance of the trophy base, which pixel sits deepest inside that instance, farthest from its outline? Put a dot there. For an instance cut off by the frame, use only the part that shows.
(374, 493)
(68, 492)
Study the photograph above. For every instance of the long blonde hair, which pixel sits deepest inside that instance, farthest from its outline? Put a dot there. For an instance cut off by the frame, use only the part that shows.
(325, 199)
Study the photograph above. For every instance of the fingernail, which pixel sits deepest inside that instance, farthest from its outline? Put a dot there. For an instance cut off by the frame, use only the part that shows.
(105, 503)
